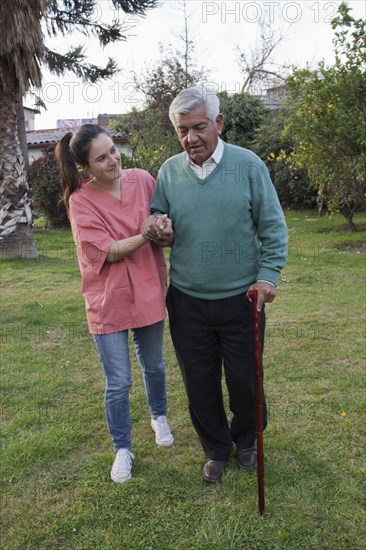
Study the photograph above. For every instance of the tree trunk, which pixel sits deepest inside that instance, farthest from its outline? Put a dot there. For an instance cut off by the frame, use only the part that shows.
(22, 133)
(16, 227)
(348, 214)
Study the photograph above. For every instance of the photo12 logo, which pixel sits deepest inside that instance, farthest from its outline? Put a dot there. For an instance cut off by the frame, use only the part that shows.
(269, 12)
(73, 92)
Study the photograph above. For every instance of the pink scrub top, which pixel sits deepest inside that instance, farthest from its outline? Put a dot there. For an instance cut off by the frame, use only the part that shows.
(129, 293)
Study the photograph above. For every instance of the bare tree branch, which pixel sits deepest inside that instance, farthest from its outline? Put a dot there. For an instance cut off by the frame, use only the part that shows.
(257, 65)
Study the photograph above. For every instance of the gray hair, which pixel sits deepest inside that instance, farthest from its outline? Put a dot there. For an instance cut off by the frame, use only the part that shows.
(192, 98)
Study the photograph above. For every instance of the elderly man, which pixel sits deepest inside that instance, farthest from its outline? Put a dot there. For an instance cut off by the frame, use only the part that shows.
(230, 236)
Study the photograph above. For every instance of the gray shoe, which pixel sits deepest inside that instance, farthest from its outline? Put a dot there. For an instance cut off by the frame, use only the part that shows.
(121, 469)
(163, 435)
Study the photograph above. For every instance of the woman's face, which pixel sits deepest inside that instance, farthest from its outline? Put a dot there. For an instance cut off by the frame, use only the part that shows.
(104, 159)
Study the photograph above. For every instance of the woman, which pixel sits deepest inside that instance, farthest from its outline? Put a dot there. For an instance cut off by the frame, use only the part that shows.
(123, 278)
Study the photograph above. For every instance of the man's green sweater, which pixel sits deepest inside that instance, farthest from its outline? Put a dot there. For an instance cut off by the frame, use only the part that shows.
(229, 228)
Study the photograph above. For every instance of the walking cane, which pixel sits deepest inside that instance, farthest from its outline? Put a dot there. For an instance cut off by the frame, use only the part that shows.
(253, 295)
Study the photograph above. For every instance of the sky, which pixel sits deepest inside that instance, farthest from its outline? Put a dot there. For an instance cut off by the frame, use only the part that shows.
(217, 29)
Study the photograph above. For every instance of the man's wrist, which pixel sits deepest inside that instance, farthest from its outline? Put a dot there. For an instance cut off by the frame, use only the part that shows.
(268, 282)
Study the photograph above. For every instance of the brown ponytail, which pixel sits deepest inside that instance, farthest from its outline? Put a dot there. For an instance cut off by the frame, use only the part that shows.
(70, 177)
(73, 150)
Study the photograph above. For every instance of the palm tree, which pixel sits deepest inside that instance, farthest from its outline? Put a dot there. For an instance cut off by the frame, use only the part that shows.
(21, 52)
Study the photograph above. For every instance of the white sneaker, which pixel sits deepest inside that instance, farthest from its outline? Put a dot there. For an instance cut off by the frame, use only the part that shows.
(163, 435)
(121, 469)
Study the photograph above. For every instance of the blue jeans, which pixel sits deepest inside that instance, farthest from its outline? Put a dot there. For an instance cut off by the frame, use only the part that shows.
(114, 355)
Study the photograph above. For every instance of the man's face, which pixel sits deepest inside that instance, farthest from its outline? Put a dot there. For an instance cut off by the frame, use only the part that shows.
(197, 134)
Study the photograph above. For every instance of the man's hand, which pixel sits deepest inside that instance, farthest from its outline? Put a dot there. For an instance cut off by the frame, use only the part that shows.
(266, 293)
(150, 228)
(158, 229)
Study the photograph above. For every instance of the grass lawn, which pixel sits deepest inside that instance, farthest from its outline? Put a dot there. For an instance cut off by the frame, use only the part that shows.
(57, 454)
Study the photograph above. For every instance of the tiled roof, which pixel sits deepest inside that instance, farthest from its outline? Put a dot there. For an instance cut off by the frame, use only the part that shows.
(44, 138)
(37, 138)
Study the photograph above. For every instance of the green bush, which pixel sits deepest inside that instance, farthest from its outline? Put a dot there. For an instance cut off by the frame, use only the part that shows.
(292, 185)
(243, 114)
(44, 182)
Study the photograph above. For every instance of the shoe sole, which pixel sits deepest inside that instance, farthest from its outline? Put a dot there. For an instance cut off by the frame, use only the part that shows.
(211, 480)
(246, 467)
(168, 443)
(119, 479)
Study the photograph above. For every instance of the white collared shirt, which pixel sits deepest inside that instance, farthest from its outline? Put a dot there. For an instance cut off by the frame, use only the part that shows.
(210, 164)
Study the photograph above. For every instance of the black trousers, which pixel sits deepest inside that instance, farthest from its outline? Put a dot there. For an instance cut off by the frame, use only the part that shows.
(209, 334)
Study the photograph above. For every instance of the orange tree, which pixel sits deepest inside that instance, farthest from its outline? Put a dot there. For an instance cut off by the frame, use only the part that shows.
(327, 120)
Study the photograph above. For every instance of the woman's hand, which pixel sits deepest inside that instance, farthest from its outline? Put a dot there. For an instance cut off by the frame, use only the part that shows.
(158, 229)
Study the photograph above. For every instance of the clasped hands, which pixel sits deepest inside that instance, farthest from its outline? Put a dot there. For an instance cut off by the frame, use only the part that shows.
(158, 229)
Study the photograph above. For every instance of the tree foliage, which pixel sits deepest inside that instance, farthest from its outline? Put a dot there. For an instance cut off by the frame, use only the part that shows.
(62, 17)
(166, 78)
(44, 183)
(327, 120)
(20, 52)
(152, 137)
(292, 184)
(243, 113)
